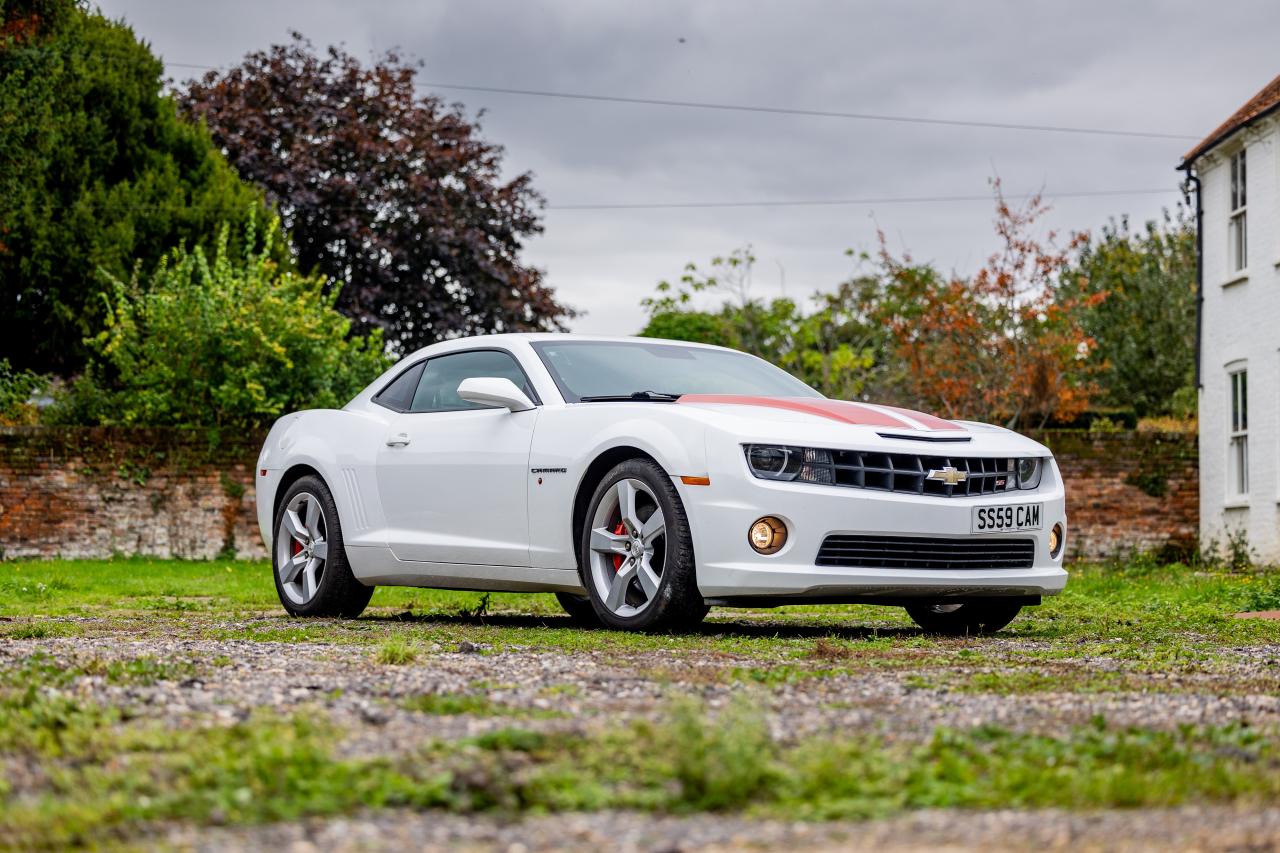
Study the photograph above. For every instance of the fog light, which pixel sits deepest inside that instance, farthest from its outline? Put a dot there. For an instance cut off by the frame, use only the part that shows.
(768, 535)
(1055, 541)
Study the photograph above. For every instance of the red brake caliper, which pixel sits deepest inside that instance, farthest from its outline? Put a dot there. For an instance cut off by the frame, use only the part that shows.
(617, 558)
(297, 547)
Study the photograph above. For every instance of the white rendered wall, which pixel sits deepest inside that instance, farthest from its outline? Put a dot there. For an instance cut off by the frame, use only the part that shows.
(1242, 328)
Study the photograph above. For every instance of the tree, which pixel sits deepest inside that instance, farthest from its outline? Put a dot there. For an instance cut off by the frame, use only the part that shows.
(1144, 328)
(394, 197)
(829, 348)
(231, 342)
(97, 173)
(1005, 344)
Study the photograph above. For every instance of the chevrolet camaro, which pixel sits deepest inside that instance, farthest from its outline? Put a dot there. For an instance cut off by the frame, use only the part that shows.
(645, 481)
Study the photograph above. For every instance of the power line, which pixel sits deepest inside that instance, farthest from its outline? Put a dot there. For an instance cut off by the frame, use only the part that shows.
(190, 65)
(835, 202)
(792, 111)
(692, 205)
(748, 108)
(802, 112)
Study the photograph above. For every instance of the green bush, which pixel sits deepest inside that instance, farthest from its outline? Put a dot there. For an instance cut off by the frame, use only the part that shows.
(231, 342)
(16, 390)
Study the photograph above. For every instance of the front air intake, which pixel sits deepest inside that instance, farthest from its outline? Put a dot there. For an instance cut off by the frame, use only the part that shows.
(919, 552)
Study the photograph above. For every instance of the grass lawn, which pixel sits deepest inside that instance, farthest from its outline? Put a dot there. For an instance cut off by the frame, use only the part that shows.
(86, 657)
(1153, 614)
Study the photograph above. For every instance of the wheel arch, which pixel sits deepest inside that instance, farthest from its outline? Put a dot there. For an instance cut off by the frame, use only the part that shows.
(292, 475)
(591, 477)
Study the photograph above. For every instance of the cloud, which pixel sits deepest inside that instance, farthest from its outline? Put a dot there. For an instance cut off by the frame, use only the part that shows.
(1142, 66)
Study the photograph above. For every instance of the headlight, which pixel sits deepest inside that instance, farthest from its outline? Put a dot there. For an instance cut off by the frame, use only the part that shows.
(1029, 473)
(781, 462)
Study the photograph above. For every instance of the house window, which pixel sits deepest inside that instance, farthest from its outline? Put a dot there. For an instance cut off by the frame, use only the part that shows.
(1239, 227)
(1238, 460)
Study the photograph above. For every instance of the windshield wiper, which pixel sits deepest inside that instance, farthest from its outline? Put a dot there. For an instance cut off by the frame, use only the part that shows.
(635, 396)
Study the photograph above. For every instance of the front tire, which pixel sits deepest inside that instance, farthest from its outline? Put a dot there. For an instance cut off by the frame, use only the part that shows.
(637, 553)
(968, 618)
(313, 577)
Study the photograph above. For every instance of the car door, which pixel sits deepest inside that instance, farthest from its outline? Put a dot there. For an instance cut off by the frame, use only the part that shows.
(452, 475)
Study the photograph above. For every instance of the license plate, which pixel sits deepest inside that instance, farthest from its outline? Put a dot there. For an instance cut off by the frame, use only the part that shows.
(1009, 518)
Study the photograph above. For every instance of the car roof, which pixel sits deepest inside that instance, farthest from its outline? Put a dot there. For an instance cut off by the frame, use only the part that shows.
(534, 337)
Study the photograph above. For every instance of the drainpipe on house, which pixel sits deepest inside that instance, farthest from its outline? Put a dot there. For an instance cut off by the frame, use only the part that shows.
(1190, 185)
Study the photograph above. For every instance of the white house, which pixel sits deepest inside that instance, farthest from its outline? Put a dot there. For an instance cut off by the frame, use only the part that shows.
(1238, 172)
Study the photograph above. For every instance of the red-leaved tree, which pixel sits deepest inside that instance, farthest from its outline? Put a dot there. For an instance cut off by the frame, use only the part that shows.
(391, 194)
(1002, 345)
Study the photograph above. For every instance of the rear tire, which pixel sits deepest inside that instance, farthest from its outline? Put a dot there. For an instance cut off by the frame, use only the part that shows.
(636, 554)
(313, 577)
(969, 618)
(579, 609)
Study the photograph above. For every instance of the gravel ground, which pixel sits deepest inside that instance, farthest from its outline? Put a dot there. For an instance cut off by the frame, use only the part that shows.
(225, 681)
(1156, 829)
(559, 690)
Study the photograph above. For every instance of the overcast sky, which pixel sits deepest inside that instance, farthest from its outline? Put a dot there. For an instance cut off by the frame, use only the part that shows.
(1167, 67)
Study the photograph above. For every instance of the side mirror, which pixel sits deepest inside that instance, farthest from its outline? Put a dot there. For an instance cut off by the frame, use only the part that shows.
(492, 391)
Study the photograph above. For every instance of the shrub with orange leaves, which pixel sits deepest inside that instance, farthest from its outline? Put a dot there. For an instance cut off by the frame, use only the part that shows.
(1002, 345)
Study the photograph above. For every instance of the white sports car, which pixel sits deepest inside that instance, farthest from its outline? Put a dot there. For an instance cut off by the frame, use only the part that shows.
(645, 481)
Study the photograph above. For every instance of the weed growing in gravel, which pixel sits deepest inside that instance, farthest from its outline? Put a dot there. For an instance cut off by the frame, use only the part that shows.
(774, 676)
(37, 715)
(395, 651)
(453, 704)
(718, 764)
(471, 704)
(41, 630)
(829, 648)
(142, 670)
(1020, 681)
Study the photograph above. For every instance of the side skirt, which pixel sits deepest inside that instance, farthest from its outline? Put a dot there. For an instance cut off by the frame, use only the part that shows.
(377, 566)
(766, 602)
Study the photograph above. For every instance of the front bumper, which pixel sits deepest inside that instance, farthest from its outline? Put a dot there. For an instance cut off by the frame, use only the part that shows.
(730, 571)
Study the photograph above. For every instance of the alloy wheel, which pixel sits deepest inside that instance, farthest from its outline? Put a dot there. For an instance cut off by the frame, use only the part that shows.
(628, 548)
(302, 551)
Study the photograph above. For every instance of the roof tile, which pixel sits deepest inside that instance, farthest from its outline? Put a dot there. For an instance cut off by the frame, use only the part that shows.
(1259, 105)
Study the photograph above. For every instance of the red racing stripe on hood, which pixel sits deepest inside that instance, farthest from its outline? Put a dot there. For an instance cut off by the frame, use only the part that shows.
(836, 410)
(927, 421)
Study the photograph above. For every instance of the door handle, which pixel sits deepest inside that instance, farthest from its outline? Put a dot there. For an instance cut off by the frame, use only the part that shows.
(399, 440)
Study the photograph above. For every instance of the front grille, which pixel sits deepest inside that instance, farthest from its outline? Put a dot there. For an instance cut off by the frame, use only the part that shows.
(918, 552)
(908, 472)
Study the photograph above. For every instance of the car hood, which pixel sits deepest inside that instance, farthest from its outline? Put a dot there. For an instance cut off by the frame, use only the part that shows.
(838, 423)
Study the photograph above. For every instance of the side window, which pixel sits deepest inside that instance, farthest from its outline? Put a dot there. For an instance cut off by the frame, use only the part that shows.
(438, 389)
(399, 394)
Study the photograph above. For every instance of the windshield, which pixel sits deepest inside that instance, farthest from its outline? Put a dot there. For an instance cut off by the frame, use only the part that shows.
(621, 369)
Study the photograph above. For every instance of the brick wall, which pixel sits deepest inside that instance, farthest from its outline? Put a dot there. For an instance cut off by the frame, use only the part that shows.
(1128, 490)
(98, 492)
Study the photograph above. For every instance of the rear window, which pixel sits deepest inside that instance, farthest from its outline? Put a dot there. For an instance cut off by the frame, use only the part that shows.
(399, 394)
